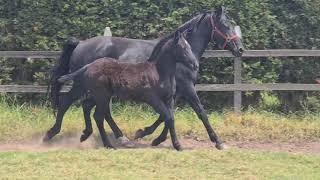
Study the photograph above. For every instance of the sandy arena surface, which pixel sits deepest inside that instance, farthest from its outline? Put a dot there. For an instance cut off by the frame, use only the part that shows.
(72, 142)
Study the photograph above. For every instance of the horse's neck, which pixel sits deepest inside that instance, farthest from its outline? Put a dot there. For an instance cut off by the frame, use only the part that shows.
(199, 45)
(200, 39)
(166, 66)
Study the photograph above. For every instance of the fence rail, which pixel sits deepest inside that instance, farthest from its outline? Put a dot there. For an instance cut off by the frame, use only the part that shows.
(199, 87)
(237, 87)
(208, 53)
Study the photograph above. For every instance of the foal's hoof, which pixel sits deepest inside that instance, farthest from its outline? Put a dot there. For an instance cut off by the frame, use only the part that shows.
(124, 141)
(85, 134)
(221, 146)
(110, 148)
(84, 137)
(139, 134)
(178, 147)
(155, 142)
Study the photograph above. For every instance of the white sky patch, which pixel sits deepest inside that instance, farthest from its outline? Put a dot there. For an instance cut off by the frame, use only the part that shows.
(238, 32)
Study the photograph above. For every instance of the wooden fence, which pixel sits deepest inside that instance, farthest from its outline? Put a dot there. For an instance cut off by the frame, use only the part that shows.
(237, 87)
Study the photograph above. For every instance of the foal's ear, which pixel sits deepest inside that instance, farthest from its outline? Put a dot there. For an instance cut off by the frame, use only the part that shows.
(177, 36)
(185, 33)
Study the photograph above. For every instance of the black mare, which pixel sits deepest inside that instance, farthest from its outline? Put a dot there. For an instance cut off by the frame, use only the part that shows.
(152, 82)
(212, 26)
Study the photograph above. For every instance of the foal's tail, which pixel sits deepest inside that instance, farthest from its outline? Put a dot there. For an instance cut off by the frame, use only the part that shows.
(61, 68)
(73, 75)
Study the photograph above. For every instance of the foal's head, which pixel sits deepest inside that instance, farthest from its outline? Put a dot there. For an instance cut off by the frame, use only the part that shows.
(183, 52)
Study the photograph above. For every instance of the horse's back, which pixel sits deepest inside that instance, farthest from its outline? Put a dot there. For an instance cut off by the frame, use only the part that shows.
(127, 50)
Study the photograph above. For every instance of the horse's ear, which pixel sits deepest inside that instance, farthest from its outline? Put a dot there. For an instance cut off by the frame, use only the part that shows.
(177, 36)
(220, 11)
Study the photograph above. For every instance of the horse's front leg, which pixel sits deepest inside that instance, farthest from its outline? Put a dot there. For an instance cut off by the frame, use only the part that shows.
(189, 93)
(65, 102)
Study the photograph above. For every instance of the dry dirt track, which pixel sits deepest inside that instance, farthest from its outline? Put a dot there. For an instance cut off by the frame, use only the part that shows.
(72, 142)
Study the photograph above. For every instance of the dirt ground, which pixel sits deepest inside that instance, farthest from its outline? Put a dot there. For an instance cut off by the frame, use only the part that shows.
(72, 142)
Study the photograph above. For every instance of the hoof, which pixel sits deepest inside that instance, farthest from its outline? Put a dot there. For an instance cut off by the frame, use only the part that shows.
(46, 138)
(85, 134)
(155, 142)
(84, 137)
(110, 148)
(221, 146)
(178, 147)
(124, 141)
(139, 134)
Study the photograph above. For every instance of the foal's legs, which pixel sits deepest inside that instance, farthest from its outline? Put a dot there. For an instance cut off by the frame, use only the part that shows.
(87, 106)
(165, 110)
(163, 136)
(65, 102)
(150, 129)
(99, 114)
(189, 93)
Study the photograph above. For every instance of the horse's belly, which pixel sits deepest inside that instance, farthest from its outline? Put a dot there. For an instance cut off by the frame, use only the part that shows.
(137, 95)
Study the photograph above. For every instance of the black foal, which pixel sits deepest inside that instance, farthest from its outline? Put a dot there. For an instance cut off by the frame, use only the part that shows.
(152, 82)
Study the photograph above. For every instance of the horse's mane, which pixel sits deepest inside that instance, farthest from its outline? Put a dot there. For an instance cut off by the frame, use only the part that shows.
(189, 25)
(157, 49)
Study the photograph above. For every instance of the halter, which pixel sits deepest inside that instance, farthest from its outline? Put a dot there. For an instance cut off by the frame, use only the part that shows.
(226, 38)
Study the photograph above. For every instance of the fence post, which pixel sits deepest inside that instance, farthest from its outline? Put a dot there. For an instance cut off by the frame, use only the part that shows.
(237, 98)
(107, 32)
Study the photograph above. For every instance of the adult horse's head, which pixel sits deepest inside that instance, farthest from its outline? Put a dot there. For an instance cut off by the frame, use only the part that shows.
(224, 33)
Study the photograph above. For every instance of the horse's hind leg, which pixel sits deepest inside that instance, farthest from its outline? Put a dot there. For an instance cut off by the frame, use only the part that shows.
(99, 114)
(150, 129)
(87, 106)
(65, 102)
(161, 138)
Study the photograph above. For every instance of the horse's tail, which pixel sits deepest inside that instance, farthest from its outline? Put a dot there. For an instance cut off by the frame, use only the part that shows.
(73, 75)
(61, 68)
